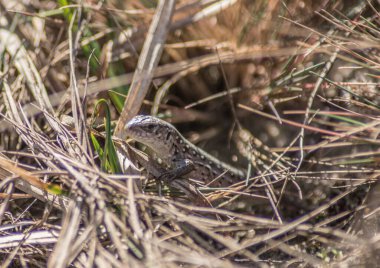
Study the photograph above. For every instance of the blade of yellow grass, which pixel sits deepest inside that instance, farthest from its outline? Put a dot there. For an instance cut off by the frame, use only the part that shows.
(22, 173)
(14, 196)
(32, 185)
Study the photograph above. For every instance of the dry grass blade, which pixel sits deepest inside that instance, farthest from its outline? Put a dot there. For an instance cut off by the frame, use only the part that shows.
(36, 238)
(62, 256)
(148, 60)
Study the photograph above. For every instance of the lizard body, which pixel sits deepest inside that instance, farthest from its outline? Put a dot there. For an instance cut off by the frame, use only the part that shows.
(180, 155)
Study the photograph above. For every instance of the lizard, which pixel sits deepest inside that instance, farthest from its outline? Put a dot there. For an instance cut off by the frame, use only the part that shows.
(180, 156)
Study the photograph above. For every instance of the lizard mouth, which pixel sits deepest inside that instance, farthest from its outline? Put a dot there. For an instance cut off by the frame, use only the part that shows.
(132, 128)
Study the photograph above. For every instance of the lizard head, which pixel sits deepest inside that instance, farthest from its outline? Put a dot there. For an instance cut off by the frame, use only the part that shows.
(152, 132)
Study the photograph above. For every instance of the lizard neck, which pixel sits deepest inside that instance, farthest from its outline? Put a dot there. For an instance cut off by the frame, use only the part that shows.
(168, 148)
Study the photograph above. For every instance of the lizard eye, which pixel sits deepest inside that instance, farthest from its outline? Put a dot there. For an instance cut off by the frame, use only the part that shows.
(150, 127)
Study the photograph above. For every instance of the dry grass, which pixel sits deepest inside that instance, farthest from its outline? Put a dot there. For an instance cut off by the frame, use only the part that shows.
(286, 89)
